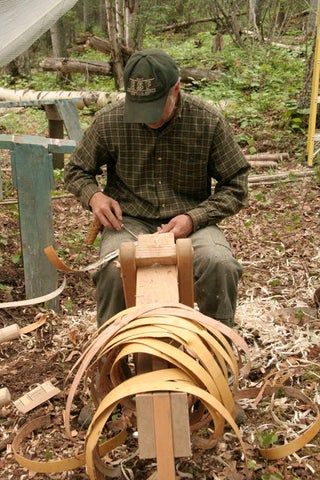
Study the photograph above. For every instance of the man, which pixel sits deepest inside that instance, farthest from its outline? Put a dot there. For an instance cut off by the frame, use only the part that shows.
(161, 149)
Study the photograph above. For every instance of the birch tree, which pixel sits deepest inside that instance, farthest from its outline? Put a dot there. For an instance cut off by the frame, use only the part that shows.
(123, 30)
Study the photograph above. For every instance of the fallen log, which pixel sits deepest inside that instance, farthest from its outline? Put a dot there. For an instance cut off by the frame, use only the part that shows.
(66, 65)
(295, 48)
(198, 74)
(266, 156)
(262, 163)
(87, 97)
(103, 45)
(176, 27)
(280, 177)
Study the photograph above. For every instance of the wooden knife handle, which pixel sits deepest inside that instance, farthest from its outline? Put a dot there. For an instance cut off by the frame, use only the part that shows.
(93, 231)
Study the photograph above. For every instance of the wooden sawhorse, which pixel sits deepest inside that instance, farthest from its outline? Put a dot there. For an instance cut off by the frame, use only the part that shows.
(32, 172)
(157, 270)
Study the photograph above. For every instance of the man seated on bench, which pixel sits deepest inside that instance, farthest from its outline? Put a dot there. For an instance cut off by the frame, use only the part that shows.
(162, 148)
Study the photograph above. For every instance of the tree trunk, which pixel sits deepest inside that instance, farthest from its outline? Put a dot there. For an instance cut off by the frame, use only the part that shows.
(312, 17)
(119, 15)
(86, 16)
(259, 4)
(305, 93)
(103, 17)
(253, 17)
(116, 48)
(58, 40)
(131, 23)
(19, 67)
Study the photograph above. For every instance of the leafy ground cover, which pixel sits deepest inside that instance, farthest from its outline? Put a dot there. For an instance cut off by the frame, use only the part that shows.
(276, 238)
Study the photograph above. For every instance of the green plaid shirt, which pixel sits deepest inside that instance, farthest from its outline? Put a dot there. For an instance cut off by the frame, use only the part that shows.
(158, 174)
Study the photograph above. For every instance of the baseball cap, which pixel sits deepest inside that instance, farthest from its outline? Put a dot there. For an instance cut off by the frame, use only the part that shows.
(148, 76)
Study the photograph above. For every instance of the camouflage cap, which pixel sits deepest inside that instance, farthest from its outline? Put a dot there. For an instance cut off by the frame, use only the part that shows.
(148, 77)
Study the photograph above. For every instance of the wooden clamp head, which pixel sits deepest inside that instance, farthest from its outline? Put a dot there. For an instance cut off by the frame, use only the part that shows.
(157, 270)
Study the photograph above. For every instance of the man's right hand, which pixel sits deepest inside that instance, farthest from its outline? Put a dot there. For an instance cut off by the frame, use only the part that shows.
(107, 210)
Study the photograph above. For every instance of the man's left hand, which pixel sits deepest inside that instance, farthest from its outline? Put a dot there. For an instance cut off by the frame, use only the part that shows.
(181, 226)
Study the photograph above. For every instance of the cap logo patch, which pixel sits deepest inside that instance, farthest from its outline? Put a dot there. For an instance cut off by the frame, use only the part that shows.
(141, 86)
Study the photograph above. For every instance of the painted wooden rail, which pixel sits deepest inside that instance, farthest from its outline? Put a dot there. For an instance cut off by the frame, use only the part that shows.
(60, 114)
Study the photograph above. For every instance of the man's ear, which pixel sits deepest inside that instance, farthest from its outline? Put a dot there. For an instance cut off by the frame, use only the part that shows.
(177, 87)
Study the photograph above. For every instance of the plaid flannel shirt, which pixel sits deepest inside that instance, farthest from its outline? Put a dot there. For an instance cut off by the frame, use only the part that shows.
(158, 174)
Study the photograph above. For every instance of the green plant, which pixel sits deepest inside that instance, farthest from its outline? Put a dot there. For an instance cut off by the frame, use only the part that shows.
(267, 438)
(272, 476)
(16, 258)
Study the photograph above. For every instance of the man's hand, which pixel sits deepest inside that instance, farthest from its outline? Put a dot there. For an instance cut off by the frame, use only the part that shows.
(107, 210)
(181, 226)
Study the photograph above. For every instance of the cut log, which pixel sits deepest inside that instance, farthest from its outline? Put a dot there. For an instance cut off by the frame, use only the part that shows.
(87, 97)
(274, 157)
(9, 333)
(103, 45)
(65, 65)
(5, 396)
(262, 163)
(280, 177)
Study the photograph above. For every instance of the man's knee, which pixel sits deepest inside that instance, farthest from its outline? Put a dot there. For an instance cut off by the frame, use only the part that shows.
(217, 260)
(107, 277)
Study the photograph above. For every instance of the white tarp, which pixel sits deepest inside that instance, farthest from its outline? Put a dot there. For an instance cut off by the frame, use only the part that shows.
(22, 22)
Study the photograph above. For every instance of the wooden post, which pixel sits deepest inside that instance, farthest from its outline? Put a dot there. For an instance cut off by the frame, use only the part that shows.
(55, 127)
(33, 178)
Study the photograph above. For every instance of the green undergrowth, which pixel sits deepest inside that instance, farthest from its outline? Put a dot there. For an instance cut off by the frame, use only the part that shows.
(257, 88)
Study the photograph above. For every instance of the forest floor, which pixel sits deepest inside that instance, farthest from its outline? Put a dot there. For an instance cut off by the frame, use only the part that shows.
(276, 238)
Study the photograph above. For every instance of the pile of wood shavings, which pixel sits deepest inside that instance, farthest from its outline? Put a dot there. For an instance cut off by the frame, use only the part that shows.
(271, 333)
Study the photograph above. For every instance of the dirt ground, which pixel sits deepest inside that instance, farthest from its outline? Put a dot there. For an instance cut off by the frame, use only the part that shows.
(277, 240)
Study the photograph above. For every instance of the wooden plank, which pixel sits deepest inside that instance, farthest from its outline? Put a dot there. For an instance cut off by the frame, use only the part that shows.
(163, 436)
(152, 249)
(35, 397)
(180, 424)
(157, 284)
(145, 425)
(69, 114)
(33, 175)
(53, 145)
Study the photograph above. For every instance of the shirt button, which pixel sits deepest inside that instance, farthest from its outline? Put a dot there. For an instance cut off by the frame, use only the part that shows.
(159, 182)
(163, 205)
(159, 158)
